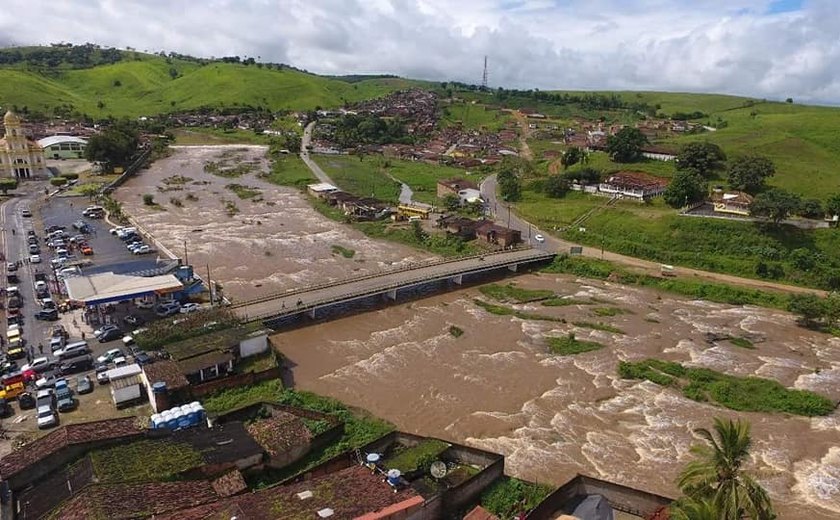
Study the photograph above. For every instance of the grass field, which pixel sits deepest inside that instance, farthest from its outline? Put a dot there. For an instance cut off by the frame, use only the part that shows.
(474, 116)
(370, 177)
(141, 84)
(199, 136)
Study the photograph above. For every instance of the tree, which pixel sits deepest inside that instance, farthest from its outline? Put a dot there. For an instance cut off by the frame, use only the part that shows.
(748, 173)
(626, 145)
(571, 157)
(8, 184)
(833, 205)
(584, 176)
(556, 186)
(113, 147)
(687, 186)
(717, 475)
(511, 171)
(451, 202)
(775, 204)
(809, 307)
(703, 157)
(811, 208)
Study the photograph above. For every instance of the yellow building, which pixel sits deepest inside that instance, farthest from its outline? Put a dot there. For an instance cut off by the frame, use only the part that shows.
(20, 157)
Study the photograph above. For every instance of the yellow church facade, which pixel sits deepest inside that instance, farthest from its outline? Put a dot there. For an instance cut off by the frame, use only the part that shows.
(20, 157)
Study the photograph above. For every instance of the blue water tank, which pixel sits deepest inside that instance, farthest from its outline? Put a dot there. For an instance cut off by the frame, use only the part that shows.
(156, 421)
(159, 387)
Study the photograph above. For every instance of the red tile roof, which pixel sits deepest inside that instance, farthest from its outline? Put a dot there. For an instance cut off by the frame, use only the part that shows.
(350, 493)
(65, 436)
(637, 180)
(137, 500)
(168, 372)
(230, 484)
(279, 433)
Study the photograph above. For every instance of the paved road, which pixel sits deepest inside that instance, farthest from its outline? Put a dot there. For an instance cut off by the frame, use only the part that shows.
(504, 214)
(304, 154)
(297, 300)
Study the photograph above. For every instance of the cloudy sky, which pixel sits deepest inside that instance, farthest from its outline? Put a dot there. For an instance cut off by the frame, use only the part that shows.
(763, 48)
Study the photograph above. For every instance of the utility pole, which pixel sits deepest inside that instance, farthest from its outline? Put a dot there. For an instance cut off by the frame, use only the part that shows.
(210, 286)
(484, 75)
(186, 258)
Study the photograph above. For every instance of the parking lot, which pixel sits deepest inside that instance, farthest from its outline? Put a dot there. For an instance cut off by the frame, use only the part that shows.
(107, 249)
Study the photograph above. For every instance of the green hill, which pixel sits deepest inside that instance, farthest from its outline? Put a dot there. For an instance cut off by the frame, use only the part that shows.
(142, 84)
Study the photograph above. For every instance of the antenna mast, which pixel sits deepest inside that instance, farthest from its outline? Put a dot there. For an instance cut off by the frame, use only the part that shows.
(484, 76)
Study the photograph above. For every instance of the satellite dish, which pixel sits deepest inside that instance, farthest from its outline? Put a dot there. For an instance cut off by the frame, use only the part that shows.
(438, 469)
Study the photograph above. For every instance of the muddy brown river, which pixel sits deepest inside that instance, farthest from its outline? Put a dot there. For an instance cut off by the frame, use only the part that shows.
(268, 243)
(497, 387)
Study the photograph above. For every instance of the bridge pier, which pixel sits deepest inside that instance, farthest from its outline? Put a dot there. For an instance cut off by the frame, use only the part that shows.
(458, 279)
(513, 267)
(392, 294)
(311, 313)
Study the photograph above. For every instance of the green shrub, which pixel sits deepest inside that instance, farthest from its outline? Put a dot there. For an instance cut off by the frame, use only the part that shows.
(149, 199)
(510, 292)
(748, 394)
(70, 176)
(569, 345)
(58, 181)
(597, 326)
(508, 497)
(456, 332)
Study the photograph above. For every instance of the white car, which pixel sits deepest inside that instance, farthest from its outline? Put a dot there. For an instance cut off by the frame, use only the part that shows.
(34, 259)
(144, 304)
(109, 356)
(47, 418)
(142, 250)
(189, 307)
(539, 238)
(41, 285)
(36, 364)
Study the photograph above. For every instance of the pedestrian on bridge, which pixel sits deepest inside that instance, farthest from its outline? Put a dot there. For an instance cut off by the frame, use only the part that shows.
(40, 348)
(13, 231)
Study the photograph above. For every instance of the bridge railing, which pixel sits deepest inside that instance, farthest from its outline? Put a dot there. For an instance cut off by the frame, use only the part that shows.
(352, 295)
(411, 267)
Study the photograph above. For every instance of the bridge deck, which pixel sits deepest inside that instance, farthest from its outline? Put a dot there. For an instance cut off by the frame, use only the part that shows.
(295, 301)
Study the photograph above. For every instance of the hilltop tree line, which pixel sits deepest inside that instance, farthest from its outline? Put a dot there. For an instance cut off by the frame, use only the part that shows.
(57, 54)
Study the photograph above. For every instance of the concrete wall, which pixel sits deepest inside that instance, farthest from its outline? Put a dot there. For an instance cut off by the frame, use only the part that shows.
(622, 498)
(233, 381)
(253, 346)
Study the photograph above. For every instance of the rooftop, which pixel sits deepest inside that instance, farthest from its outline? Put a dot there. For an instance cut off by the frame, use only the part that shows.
(322, 187)
(202, 361)
(135, 500)
(279, 433)
(166, 371)
(111, 287)
(214, 341)
(56, 139)
(229, 484)
(350, 493)
(224, 443)
(630, 179)
(67, 436)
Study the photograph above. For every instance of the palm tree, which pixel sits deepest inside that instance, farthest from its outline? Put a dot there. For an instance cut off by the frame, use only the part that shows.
(689, 509)
(717, 475)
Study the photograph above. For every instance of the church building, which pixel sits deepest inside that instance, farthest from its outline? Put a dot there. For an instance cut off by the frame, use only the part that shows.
(20, 157)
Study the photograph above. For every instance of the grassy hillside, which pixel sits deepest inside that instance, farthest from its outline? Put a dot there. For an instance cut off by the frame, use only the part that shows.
(145, 84)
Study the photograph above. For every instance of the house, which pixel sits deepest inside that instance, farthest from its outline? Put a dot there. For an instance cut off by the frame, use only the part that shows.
(499, 235)
(733, 202)
(634, 185)
(211, 356)
(658, 153)
(469, 195)
(459, 226)
(321, 190)
(453, 186)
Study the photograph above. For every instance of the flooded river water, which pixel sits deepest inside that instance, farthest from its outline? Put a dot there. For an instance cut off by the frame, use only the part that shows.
(257, 246)
(497, 387)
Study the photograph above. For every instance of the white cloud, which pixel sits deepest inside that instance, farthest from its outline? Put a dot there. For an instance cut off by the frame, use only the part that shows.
(731, 46)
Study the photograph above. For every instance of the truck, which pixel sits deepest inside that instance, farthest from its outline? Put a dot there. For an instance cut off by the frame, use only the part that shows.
(126, 391)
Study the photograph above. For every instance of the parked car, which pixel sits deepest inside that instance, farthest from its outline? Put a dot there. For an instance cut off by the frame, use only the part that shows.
(84, 385)
(48, 381)
(78, 348)
(103, 329)
(26, 401)
(56, 343)
(144, 304)
(47, 418)
(109, 356)
(77, 364)
(27, 213)
(189, 307)
(54, 228)
(142, 250)
(133, 319)
(141, 358)
(38, 365)
(167, 309)
(102, 378)
(34, 249)
(110, 335)
(66, 402)
(86, 250)
(47, 314)
(34, 259)
(11, 267)
(6, 409)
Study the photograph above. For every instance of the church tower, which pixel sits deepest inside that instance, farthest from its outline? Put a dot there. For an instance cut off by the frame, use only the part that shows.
(20, 158)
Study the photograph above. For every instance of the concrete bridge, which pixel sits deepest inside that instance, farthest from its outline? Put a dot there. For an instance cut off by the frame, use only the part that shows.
(388, 284)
